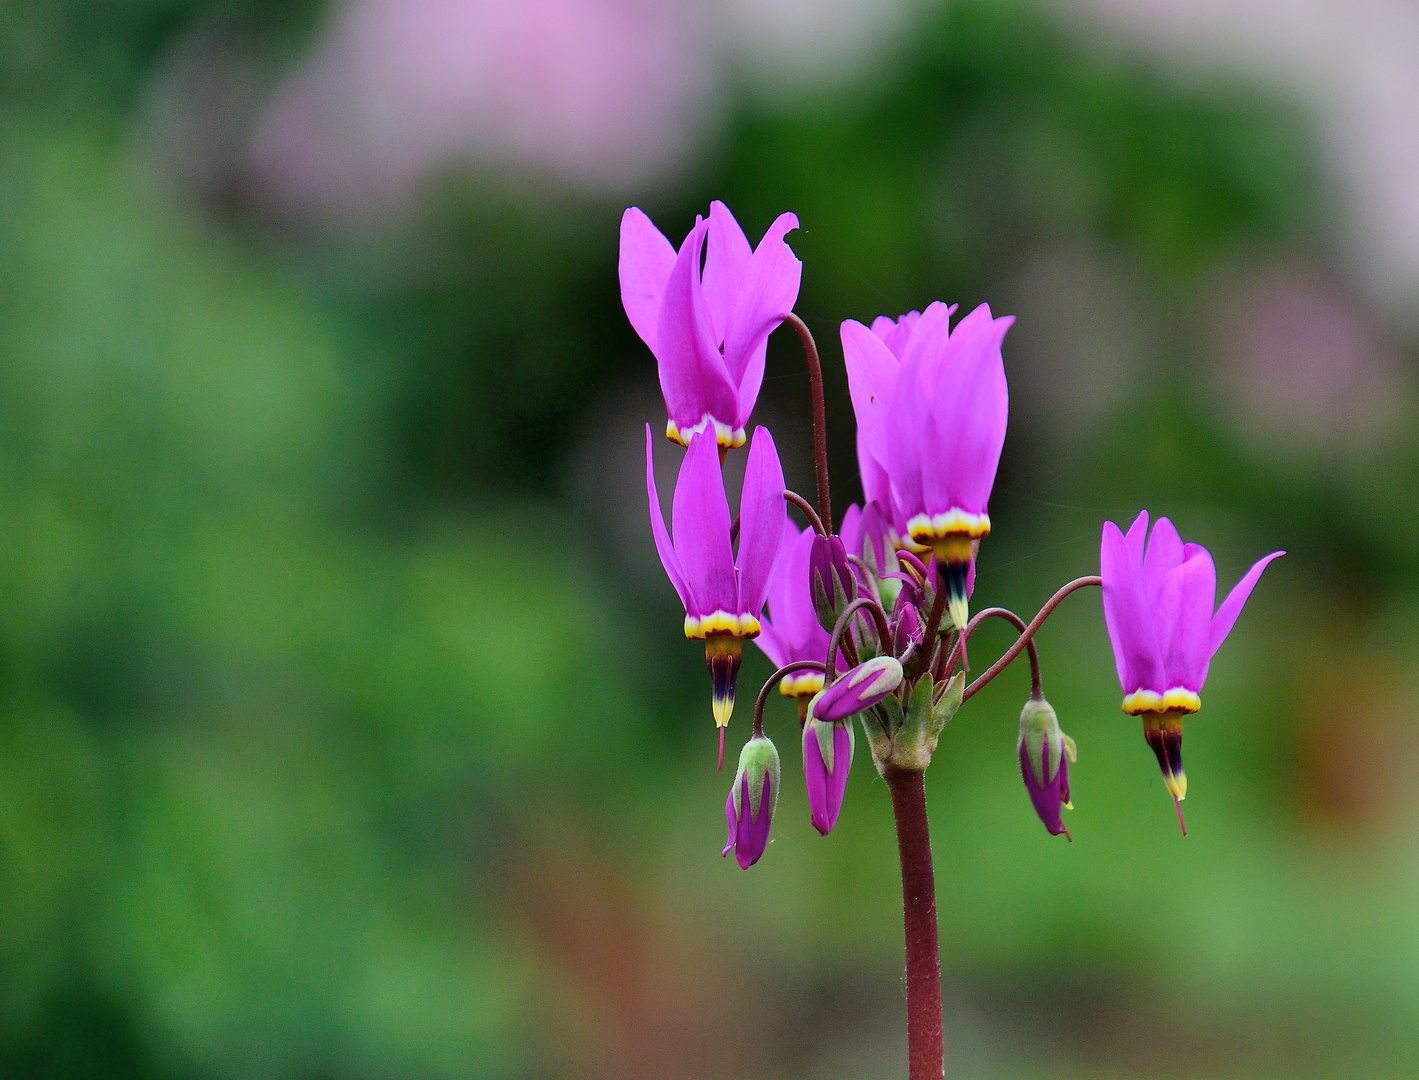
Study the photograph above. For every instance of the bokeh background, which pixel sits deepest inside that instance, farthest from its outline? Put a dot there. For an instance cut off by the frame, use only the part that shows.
(347, 731)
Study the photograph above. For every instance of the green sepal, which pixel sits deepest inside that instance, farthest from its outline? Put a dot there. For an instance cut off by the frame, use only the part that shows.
(947, 702)
(758, 757)
(824, 734)
(1040, 726)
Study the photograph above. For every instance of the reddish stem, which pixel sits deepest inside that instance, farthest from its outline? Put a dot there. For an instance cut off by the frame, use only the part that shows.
(925, 1045)
(1029, 633)
(820, 419)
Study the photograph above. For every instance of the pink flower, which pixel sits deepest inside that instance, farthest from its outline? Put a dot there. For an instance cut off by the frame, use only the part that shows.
(791, 630)
(1158, 598)
(723, 593)
(934, 420)
(708, 330)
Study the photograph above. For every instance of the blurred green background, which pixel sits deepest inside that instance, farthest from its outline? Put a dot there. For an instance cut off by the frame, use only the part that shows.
(346, 726)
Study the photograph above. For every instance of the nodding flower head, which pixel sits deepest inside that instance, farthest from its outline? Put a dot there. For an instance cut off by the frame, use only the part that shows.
(1045, 756)
(790, 628)
(1158, 597)
(933, 415)
(749, 810)
(723, 593)
(708, 329)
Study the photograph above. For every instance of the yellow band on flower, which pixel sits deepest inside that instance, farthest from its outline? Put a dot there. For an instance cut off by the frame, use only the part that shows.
(926, 529)
(721, 622)
(723, 434)
(1178, 699)
(800, 683)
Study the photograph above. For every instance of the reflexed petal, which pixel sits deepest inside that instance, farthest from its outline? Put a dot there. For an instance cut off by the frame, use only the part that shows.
(762, 514)
(767, 293)
(692, 374)
(1137, 534)
(1226, 616)
(701, 524)
(1127, 616)
(772, 644)
(725, 264)
(645, 264)
(971, 408)
(896, 333)
(871, 377)
(1165, 552)
(663, 547)
(1189, 591)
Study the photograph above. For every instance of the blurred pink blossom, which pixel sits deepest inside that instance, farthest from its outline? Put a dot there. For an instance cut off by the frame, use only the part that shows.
(594, 94)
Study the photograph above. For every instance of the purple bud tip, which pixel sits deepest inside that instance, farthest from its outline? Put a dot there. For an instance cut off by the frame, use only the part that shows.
(858, 689)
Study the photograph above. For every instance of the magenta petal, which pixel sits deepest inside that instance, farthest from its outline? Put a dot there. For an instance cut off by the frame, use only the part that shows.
(732, 817)
(857, 689)
(1165, 552)
(663, 547)
(896, 334)
(753, 832)
(871, 377)
(762, 515)
(795, 623)
(970, 409)
(1128, 617)
(692, 374)
(767, 293)
(1226, 616)
(1184, 620)
(701, 522)
(1048, 799)
(826, 787)
(726, 261)
(645, 264)
(1137, 536)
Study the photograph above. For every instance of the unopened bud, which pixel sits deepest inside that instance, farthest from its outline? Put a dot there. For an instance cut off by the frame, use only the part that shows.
(858, 689)
(831, 580)
(906, 627)
(827, 757)
(749, 810)
(1045, 754)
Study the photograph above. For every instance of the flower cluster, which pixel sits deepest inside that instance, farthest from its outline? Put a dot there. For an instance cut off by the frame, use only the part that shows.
(873, 621)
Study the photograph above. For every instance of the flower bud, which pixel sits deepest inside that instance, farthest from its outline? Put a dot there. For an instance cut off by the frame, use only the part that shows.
(831, 581)
(855, 690)
(1045, 754)
(827, 757)
(906, 626)
(749, 810)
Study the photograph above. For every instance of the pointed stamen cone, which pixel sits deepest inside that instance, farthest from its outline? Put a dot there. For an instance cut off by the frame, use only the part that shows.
(723, 655)
(1164, 734)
